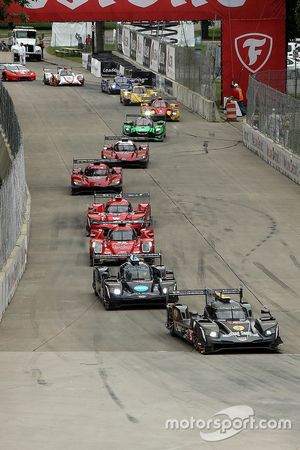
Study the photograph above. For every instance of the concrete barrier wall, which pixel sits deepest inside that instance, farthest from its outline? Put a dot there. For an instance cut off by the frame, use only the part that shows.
(274, 154)
(14, 268)
(14, 203)
(192, 100)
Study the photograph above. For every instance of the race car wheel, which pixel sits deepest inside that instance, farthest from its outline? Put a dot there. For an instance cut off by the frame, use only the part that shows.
(198, 343)
(106, 305)
(126, 102)
(91, 261)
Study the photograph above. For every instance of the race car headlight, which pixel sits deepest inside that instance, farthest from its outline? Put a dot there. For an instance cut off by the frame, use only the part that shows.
(77, 182)
(143, 156)
(97, 246)
(118, 181)
(174, 113)
(213, 334)
(165, 290)
(270, 332)
(127, 128)
(113, 86)
(146, 247)
(147, 113)
(158, 130)
(104, 156)
(116, 291)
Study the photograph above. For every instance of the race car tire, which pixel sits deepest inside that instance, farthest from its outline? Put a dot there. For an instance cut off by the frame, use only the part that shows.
(4, 77)
(198, 343)
(126, 102)
(39, 58)
(106, 305)
(172, 330)
(91, 261)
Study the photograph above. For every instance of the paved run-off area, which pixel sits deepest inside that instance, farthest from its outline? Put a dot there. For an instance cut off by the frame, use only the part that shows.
(74, 376)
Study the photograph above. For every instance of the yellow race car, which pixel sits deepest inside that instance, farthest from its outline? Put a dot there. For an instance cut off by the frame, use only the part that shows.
(137, 95)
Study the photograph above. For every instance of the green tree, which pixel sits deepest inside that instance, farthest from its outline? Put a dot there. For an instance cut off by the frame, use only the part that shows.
(4, 5)
(297, 17)
(291, 26)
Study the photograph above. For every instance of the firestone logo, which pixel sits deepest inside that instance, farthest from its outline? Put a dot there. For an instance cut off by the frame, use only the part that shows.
(73, 4)
(253, 50)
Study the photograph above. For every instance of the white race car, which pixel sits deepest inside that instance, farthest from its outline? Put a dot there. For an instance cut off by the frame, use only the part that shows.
(63, 77)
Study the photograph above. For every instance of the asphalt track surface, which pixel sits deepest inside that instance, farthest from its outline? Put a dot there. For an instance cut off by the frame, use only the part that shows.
(74, 376)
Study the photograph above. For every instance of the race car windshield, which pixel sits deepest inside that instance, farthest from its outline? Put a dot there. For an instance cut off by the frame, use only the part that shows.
(26, 34)
(125, 147)
(90, 172)
(230, 314)
(143, 122)
(118, 209)
(66, 73)
(159, 104)
(122, 235)
(139, 90)
(121, 80)
(13, 68)
(140, 272)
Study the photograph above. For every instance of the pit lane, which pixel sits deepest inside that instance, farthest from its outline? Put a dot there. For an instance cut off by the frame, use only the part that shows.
(221, 219)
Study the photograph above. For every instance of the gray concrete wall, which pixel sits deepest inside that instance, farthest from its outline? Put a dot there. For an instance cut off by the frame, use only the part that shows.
(274, 154)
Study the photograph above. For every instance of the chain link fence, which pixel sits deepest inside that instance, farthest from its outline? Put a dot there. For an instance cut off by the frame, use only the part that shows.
(13, 188)
(196, 71)
(275, 114)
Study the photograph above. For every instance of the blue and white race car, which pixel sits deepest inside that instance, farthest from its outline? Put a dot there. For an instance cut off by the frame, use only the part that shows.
(114, 85)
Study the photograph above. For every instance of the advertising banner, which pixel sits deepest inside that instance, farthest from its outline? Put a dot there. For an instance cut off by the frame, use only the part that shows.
(133, 45)
(109, 68)
(119, 39)
(154, 49)
(140, 10)
(252, 48)
(162, 57)
(146, 51)
(170, 62)
(140, 49)
(126, 41)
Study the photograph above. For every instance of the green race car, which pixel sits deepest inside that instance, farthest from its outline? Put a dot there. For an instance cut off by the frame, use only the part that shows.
(144, 127)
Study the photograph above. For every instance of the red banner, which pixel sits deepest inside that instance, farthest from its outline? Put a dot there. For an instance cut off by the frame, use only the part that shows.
(249, 48)
(128, 10)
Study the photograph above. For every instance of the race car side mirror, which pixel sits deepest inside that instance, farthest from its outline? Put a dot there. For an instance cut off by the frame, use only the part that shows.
(265, 310)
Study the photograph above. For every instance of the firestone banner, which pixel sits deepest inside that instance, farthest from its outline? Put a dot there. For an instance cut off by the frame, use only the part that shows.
(129, 10)
(251, 47)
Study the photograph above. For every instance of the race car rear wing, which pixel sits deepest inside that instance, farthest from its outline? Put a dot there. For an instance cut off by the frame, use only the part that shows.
(124, 138)
(209, 293)
(98, 259)
(92, 161)
(127, 195)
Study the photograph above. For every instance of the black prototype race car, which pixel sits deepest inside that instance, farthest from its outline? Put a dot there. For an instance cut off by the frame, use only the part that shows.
(136, 283)
(225, 323)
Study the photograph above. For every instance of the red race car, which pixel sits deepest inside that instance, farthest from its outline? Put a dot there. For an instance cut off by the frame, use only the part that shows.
(17, 72)
(125, 152)
(118, 209)
(161, 109)
(118, 243)
(96, 177)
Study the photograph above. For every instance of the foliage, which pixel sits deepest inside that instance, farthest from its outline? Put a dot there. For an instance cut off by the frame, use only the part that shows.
(4, 5)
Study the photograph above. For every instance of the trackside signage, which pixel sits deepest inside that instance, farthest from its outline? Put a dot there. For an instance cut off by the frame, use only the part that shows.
(253, 33)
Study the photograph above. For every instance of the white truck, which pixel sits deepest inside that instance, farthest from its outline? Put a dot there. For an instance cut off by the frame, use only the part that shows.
(28, 36)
